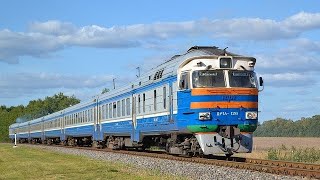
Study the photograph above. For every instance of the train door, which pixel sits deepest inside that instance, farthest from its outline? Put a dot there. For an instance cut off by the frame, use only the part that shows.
(61, 124)
(97, 121)
(42, 129)
(172, 103)
(29, 131)
(134, 112)
(95, 117)
(134, 132)
(170, 100)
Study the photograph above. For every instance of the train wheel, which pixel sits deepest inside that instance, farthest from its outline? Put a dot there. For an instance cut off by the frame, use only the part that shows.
(229, 156)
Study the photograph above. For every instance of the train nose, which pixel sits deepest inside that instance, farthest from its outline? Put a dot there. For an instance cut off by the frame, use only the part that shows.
(216, 107)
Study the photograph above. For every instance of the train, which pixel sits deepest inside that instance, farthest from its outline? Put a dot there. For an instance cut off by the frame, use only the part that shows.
(202, 102)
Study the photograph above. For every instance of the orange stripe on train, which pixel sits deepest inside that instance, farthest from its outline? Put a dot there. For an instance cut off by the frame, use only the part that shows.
(224, 91)
(200, 105)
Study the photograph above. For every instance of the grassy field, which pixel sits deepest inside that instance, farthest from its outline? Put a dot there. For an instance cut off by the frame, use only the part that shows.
(31, 163)
(264, 143)
(265, 147)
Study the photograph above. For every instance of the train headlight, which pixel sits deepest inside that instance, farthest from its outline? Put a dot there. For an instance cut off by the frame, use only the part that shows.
(252, 115)
(225, 62)
(204, 116)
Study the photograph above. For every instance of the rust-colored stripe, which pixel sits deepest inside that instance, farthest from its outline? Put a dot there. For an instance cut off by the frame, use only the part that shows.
(200, 105)
(224, 91)
(245, 132)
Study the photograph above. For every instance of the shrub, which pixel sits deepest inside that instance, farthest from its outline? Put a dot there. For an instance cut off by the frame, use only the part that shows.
(308, 155)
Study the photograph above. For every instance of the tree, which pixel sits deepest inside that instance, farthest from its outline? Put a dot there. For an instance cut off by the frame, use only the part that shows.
(279, 127)
(35, 109)
(105, 90)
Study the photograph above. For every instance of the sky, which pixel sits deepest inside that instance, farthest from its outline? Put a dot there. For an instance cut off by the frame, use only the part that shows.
(79, 47)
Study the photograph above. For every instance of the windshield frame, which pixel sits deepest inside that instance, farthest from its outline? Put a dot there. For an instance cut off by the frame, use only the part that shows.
(253, 81)
(220, 72)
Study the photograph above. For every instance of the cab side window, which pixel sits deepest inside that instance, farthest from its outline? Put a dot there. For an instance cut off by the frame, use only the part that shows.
(184, 81)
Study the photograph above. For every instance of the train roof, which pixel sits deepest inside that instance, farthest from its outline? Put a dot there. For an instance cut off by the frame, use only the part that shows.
(212, 50)
(24, 124)
(53, 115)
(170, 68)
(83, 104)
(34, 121)
(14, 125)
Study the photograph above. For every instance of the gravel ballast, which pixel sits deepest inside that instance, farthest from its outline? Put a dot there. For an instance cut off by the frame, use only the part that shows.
(184, 169)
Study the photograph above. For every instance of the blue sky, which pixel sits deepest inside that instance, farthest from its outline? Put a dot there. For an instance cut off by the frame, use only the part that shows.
(78, 47)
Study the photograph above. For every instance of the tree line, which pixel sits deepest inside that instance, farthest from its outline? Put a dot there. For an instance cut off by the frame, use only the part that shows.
(279, 127)
(35, 109)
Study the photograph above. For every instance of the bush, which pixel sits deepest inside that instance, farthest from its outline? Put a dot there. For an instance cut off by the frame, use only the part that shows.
(308, 155)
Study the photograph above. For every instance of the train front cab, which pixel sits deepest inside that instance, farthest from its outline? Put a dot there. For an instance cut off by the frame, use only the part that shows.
(218, 100)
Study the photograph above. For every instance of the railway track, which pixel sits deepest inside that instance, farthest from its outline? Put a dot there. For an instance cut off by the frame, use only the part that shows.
(267, 166)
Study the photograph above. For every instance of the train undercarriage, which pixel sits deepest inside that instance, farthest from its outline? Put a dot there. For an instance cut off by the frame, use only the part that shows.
(228, 140)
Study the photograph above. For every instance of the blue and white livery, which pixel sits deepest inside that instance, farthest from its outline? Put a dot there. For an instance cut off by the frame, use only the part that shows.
(202, 102)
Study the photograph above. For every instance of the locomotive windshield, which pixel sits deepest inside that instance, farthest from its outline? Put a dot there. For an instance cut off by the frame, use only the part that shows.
(246, 79)
(206, 78)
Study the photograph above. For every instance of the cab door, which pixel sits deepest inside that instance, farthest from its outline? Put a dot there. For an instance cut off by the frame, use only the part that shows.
(184, 96)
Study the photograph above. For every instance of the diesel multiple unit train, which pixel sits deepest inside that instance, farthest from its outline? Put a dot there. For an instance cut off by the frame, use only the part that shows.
(200, 103)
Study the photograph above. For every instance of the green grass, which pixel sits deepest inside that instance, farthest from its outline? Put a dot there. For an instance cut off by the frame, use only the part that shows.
(308, 155)
(33, 163)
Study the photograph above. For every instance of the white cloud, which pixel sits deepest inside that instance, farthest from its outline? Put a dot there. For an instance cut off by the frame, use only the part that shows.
(294, 62)
(316, 99)
(14, 45)
(298, 55)
(293, 108)
(302, 92)
(303, 21)
(288, 79)
(52, 28)
(96, 36)
(303, 45)
(20, 84)
(45, 80)
(51, 36)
